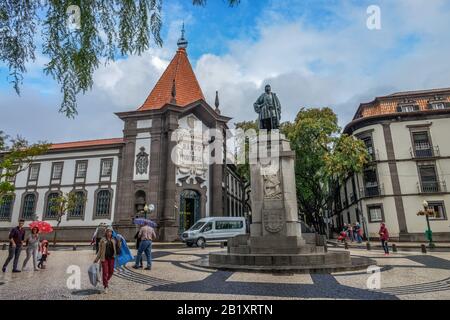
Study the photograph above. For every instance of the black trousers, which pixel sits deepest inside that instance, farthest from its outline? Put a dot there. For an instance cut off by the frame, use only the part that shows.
(385, 246)
(269, 124)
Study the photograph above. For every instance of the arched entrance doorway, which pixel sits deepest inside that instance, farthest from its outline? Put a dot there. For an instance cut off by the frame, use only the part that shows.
(189, 209)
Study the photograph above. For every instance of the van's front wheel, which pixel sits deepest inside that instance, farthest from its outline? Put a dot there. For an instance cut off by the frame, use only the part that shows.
(201, 242)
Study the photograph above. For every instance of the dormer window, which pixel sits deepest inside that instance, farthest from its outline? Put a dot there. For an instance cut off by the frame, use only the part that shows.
(408, 108)
(438, 106)
(438, 103)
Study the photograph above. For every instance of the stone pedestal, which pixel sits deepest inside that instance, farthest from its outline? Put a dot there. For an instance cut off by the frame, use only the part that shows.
(275, 242)
(275, 224)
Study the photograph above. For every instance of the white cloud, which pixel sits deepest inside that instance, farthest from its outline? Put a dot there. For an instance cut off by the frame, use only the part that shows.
(338, 64)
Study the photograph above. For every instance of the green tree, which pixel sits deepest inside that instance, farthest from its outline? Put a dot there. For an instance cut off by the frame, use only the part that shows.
(64, 204)
(323, 155)
(243, 147)
(77, 35)
(16, 155)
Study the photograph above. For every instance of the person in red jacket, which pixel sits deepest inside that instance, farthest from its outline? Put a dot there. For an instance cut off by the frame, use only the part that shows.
(384, 237)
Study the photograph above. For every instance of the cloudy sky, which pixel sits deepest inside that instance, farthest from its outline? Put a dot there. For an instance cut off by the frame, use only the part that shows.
(314, 53)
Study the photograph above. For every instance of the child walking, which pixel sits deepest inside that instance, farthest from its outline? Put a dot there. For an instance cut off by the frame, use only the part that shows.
(45, 253)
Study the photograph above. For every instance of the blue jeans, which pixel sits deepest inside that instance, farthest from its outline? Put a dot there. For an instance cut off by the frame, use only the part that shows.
(145, 246)
(13, 253)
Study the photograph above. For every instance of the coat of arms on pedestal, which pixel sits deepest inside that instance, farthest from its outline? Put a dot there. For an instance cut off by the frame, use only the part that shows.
(273, 220)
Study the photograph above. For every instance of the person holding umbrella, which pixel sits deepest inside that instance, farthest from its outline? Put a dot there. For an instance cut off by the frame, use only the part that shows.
(33, 246)
(142, 222)
(146, 235)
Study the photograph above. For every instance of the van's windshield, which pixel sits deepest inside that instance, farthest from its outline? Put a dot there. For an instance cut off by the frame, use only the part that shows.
(197, 226)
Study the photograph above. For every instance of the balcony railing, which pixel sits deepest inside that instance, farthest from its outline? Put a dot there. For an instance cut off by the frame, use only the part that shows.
(424, 150)
(432, 187)
(373, 154)
(372, 191)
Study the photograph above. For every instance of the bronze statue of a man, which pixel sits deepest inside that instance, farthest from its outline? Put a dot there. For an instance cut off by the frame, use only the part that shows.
(269, 109)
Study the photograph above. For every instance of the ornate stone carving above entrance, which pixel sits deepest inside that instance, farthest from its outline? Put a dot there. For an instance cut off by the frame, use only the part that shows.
(142, 162)
(190, 148)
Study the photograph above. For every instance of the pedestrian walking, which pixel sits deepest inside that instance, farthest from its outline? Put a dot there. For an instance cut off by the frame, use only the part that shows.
(350, 231)
(33, 246)
(98, 234)
(147, 235)
(384, 237)
(138, 243)
(44, 254)
(16, 238)
(357, 232)
(107, 251)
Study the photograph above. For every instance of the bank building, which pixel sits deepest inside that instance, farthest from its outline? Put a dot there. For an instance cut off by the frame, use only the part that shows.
(120, 177)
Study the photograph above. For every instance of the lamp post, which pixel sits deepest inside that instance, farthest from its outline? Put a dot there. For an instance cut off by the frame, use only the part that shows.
(145, 211)
(428, 233)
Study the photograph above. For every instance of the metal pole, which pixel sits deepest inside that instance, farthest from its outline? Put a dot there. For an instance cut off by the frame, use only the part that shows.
(366, 229)
(429, 231)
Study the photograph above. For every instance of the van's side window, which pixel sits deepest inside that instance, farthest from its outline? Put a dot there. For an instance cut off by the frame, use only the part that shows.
(222, 225)
(207, 227)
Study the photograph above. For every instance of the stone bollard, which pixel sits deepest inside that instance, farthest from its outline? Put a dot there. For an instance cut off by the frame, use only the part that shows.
(368, 246)
(346, 246)
(4, 246)
(394, 247)
(424, 248)
(222, 245)
(203, 244)
(74, 248)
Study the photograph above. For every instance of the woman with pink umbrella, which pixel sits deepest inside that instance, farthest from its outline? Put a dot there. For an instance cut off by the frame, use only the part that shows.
(33, 246)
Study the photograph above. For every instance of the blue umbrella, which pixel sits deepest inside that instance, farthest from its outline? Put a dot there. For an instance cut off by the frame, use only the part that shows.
(142, 221)
(125, 255)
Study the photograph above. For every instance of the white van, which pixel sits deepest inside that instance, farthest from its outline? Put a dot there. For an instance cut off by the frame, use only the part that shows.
(214, 229)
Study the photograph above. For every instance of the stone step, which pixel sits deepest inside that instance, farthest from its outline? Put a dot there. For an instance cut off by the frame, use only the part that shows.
(311, 259)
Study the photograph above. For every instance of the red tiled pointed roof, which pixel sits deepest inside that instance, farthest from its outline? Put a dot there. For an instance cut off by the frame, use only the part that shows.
(187, 89)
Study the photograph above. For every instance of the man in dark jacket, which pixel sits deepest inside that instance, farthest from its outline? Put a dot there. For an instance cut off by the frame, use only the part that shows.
(16, 238)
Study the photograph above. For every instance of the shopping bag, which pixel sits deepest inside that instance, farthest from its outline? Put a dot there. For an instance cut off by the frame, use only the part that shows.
(94, 274)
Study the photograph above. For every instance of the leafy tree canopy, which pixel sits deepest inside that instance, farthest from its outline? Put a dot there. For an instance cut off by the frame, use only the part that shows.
(323, 154)
(16, 155)
(76, 36)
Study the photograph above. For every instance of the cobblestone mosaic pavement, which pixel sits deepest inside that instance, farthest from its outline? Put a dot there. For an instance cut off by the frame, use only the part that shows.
(408, 275)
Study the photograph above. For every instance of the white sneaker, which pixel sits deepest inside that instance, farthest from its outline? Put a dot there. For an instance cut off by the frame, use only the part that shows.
(105, 291)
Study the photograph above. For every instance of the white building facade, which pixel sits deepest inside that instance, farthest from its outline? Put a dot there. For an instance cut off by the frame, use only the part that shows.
(406, 135)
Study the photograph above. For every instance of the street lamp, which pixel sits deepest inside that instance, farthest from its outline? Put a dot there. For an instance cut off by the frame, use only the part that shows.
(427, 212)
(145, 211)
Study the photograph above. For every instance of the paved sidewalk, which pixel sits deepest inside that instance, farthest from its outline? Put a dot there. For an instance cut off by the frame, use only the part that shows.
(403, 276)
(401, 246)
